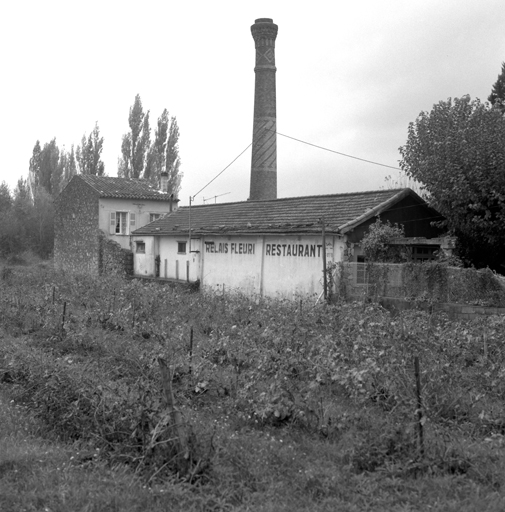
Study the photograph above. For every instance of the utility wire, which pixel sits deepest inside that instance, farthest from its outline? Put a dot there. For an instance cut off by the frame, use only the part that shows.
(302, 142)
(332, 150)
(217, 176)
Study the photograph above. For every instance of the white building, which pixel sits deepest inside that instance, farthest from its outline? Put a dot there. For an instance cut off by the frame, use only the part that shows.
(272, 247)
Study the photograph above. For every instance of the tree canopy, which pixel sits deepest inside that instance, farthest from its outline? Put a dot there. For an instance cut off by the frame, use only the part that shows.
(89, 153)
(457, 153)
(142, 159)
(498, 91)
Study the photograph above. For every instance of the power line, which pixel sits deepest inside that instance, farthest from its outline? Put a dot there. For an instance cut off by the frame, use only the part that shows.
(217, 176)
(302, 142)
(333, 151)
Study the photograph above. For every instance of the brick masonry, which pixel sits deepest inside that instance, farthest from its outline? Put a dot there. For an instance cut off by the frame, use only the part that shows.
(264, 146)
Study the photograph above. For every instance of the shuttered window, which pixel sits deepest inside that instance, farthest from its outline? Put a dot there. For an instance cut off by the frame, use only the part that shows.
(112, 228)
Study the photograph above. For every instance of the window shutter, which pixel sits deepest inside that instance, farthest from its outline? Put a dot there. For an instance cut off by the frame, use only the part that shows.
(112, 229)
(132, 222)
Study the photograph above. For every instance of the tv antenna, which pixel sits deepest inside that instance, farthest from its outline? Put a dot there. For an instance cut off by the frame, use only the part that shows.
(215, 197)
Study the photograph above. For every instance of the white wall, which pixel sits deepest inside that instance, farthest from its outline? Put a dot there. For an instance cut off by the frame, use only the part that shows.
(255, 265)
(233, 261)
(174, 265)
(143, 264)
(141, 208)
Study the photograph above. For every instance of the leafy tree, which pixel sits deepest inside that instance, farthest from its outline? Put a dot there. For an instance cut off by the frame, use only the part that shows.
(457, 152)
(135, 143)
(5, 197)
(498, 91)
(89, 153)
(173, 162)
(49, 158)
(12, 235)
(156, 157)
(68, 165)
(376, 243)
(34, 167)
(42, 221)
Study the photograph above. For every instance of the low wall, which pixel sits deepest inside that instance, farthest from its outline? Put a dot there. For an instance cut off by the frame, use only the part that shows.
(114, 259)
(454, 311)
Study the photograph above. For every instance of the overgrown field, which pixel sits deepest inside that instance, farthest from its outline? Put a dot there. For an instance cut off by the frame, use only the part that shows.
(284, 405)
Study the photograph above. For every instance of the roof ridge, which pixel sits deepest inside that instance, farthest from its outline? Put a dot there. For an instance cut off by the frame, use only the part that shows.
(314, 196)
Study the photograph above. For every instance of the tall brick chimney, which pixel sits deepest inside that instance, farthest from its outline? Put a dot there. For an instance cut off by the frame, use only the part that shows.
(264, 146)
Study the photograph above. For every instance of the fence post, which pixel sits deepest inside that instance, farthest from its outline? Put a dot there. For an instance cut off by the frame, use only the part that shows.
(181, 441)
(63, 318)
(190, 351)
(420, 416)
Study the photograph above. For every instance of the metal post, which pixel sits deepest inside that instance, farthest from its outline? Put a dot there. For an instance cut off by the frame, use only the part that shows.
(324, 262)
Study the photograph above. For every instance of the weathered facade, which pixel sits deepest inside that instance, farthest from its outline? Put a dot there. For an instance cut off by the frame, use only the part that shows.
(95, 216)
(274, 247)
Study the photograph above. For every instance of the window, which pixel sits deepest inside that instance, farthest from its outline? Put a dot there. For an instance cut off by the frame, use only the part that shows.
(360, 270)
(423, 253)
(122, 223)
(140, 247)
(181, 247)
(154, 216)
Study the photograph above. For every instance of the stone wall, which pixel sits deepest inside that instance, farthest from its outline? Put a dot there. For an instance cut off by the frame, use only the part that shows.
(113, 258)
(453, 311)
(76, 242)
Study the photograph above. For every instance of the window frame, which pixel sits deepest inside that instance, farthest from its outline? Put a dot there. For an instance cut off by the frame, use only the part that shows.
(122, 223)
(361, 270)
(179, 246)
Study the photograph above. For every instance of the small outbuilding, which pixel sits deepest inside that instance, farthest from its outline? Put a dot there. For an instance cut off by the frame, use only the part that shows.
(95, 216)
(275, 247)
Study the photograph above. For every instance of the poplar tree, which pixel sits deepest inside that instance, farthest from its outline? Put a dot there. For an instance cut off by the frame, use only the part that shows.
(498, 91)
(89, 153)
(135, 143)
(173, 161)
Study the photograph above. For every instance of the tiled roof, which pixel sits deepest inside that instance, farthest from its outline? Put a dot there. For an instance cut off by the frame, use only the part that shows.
(123, 188)
(296, 215)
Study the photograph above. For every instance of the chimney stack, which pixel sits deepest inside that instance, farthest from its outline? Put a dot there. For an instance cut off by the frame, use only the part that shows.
(164, 182)
(264, 146)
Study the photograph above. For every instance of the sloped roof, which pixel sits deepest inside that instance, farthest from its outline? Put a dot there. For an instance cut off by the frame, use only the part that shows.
(123, 188)
(295, 215)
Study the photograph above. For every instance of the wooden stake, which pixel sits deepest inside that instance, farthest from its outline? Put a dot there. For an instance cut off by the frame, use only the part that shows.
(191, 351)
(420, 420)
(63, 318)
(177, 426)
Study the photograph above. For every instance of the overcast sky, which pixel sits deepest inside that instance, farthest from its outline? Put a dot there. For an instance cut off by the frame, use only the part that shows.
(350, 77)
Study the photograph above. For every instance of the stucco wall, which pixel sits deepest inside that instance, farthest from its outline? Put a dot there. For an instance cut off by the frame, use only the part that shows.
(143, 263)
(141, 208)
(254, 265)
(232, 261)
(76, 244)
(175, 265)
